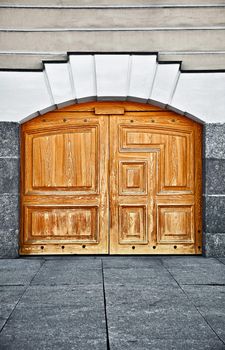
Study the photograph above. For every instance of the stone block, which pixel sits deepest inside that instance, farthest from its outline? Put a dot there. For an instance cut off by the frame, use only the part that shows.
(9, 175)
(9, 139)
(214, 141)
(9, 243)
(214, 211)
(215, 176)
(215, 244)
(9, 211)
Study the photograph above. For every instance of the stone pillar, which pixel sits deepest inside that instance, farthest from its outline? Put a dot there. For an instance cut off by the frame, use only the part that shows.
(9, 189)
(214, 190)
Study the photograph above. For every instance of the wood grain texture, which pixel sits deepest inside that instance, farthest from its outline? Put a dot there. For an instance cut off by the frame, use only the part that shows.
(64, 185)
(153, 161)
(111, 177)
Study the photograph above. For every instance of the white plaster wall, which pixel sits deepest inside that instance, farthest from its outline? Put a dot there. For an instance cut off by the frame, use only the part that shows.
(202, 94)
(115, 77)
(21, 94)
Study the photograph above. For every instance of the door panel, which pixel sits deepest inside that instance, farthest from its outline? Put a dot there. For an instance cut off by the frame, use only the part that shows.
(64, 185)
(66, 160)
(153, 195)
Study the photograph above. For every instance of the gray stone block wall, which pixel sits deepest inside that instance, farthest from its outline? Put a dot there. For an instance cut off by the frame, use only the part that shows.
(214, 190)
(9, 189)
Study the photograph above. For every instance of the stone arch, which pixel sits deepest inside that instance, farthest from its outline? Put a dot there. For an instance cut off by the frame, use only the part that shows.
(127, 77)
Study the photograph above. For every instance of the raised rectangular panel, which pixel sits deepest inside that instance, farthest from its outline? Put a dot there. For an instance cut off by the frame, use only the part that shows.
(75, 224)
(132, 224)
(83, 71)
(164, 83)
(66, 161)
(22, 93)
(136, 138)
(142, 138)
(175, 223)
(141, 75)
(201, 94)
(133, 178)
(60, 82)
(112, 75)
(177, 162)
(176, 154)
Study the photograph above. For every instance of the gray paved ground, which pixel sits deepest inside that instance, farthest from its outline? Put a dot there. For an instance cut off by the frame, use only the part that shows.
(116, 303)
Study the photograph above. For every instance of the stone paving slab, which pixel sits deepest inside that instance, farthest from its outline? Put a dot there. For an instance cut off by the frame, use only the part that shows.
(157, 324)
(57, 317)
(158, 312)
(189, 261)
(148, 298)
(9, 296)
(129, 262)
(64, 296)
(55, 328)
(18, 271)
(210, 301)
(204, 271)
(58, 303)
(60, 272)
(133, 276)
(222, 260)
(162, 344)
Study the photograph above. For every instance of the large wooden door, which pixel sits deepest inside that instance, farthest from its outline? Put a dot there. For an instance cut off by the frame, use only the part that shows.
(118, 178)
(155, 179)
(64, 195)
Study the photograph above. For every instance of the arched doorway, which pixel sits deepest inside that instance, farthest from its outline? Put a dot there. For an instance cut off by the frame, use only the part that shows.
(111, 178)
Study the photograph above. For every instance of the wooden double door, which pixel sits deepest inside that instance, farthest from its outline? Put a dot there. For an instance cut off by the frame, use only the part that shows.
(118, 178)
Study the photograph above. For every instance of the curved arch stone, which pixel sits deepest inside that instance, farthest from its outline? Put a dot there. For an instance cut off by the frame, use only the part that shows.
(131, 77)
